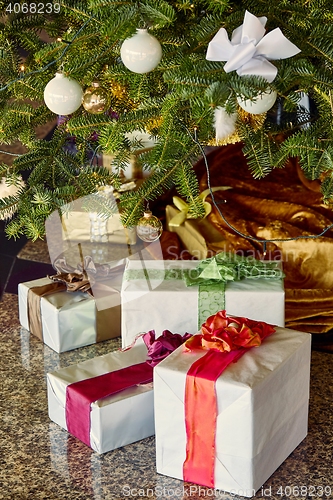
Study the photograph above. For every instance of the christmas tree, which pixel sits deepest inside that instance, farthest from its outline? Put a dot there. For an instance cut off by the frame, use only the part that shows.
(185, 100)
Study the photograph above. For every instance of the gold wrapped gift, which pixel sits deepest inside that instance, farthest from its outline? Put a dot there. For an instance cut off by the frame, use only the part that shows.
(198, 236)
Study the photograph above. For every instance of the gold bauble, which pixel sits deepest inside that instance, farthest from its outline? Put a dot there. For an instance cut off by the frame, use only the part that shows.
(149, 227)
(95, 99)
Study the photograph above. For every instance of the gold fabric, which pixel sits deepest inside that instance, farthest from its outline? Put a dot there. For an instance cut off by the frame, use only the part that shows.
(282, 205)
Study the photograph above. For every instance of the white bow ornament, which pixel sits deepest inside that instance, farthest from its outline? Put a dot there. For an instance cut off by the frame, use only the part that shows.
(249, 49)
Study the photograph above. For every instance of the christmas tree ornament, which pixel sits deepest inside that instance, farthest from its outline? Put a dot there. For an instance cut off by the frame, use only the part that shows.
(141, 53)
(254, 121)
(63, 95)
(249, 49)
(149, 227)
(225, 123)
(96, 99)
(262, 103)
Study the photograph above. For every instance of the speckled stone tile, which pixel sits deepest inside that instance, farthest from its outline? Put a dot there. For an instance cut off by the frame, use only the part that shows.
(39, 460)
(36, 253)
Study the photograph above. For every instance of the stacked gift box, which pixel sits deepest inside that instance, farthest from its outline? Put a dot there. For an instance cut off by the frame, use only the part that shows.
(261, 398)
(162, 294)
(70, 309)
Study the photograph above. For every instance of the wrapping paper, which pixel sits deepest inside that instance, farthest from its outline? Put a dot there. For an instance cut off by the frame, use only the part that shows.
(76, 227)
(117, 420)
(169, 304)
(69, 319)
(262, 411)
(199, 237)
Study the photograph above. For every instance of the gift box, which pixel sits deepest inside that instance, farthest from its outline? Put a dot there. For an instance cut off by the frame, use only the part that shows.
(120, 415)
(261, 414)
(67, 320)
(90, 226)
(198, 236)
(154, 293)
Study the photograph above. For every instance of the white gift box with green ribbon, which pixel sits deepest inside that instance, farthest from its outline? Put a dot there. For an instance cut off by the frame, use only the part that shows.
(179, 295)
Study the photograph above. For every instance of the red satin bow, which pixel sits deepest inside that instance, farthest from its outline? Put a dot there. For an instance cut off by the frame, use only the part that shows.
(226, 334)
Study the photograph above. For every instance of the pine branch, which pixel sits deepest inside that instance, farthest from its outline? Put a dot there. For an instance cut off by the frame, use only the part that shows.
(174, 102)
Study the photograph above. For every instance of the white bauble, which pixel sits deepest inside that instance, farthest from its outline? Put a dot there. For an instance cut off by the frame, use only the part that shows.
(260, 104)
(141, 53)
(63, 95)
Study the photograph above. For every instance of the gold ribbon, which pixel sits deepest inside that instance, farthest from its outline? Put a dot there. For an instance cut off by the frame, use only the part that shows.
(33, 305)
(184, 207)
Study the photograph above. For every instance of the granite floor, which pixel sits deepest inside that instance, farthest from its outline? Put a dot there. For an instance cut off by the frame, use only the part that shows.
(39, 460)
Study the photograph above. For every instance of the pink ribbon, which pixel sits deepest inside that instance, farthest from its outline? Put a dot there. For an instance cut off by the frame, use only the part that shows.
(80, 395)
(201, 414)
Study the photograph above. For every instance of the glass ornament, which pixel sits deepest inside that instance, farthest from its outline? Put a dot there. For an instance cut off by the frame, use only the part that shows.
(96, 99)
(141, 53)
(63, 95)
(260, 104)
(149, 227)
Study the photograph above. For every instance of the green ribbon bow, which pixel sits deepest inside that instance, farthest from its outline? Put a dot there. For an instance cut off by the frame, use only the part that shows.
(211, 276)
(225, 267)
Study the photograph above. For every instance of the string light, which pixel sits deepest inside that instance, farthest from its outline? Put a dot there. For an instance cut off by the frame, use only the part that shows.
(51, 63)
(59, 39)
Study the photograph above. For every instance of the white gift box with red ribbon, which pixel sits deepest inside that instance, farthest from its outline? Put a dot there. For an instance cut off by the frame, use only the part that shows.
(117, 420)
(262, 411)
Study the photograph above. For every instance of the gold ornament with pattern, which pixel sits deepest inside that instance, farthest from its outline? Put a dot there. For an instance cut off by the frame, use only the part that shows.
(96, 99)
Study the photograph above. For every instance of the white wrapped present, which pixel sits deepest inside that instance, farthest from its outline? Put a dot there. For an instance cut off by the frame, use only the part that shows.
(261, 415)
(68, 320)
(119, 417)
(154, 295)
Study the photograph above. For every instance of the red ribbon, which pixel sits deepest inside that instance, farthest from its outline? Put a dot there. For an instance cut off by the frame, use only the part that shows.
(80, 395)
(201, 404)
